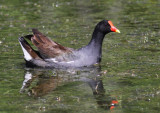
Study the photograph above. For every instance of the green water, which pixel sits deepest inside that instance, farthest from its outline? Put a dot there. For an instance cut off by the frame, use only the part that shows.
(130, 67)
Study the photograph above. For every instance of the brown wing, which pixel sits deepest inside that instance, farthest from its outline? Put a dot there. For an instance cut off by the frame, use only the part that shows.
(46, 47)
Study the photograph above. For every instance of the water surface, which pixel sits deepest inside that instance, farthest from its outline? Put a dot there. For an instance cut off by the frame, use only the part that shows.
(128, 80)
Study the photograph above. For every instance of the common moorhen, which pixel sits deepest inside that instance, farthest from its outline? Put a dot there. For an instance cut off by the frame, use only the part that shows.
(53, 55)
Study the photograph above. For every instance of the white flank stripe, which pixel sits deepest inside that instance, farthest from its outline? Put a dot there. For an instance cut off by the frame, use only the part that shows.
(70, 62)
(54, 60)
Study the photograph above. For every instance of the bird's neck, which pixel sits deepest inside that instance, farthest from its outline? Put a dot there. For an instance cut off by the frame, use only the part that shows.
(97, 40)
(94, 47)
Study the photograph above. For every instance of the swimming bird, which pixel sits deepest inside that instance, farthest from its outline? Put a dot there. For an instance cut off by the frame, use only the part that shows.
(50, 54)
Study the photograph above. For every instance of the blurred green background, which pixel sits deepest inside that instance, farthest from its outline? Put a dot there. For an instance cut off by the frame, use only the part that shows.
(130, 66)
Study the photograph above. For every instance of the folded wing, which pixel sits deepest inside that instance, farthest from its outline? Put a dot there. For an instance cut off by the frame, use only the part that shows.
(46, 47)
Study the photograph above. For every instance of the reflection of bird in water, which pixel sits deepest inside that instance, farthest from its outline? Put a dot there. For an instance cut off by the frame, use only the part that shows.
(44, 85)
(103, 100)
(48, 81)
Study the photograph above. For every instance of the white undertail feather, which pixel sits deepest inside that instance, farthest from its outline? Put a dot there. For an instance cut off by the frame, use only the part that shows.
(27, 56)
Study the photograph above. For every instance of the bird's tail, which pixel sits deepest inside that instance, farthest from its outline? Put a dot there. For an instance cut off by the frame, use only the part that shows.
(28, 51)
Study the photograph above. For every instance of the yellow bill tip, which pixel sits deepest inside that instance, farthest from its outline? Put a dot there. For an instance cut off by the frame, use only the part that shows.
(118, 31)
